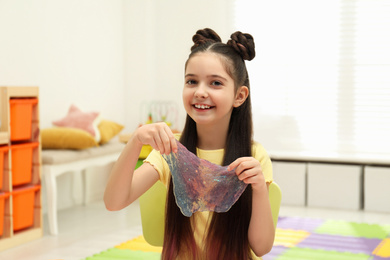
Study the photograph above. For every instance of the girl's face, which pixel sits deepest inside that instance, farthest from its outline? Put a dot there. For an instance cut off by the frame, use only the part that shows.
(208, 94)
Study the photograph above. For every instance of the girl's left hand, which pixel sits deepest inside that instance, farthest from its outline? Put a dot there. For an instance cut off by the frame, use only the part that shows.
(248, 170)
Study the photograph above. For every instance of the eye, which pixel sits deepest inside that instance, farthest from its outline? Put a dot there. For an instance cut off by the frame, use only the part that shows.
(191, 82)
(216, 83)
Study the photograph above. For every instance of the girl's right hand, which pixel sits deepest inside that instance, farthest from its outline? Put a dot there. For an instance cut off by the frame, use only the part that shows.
(157, 135)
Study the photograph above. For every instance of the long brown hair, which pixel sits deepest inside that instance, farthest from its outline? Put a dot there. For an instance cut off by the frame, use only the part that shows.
(227, 237)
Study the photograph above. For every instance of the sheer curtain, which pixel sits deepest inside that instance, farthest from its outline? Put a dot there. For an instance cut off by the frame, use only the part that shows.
(321, 77)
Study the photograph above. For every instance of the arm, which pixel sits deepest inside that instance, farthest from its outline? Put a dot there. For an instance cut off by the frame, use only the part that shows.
(124, 184)
(261, 233)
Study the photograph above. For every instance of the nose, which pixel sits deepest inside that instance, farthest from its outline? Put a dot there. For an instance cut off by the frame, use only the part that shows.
(201, 91)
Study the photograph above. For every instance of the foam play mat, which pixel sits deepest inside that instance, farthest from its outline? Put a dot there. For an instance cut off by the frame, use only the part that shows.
(296, 238)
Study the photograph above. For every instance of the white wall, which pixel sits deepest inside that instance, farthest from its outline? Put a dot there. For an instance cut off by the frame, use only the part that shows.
(73, 50)
(110, 56)
(158, 38)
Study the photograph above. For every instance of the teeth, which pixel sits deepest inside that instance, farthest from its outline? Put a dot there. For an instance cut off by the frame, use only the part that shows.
(202, 106)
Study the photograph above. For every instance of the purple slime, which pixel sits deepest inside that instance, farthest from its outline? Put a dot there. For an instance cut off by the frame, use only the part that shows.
(200, 185)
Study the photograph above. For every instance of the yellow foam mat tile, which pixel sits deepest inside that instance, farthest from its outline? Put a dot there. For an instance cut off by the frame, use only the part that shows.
(289, 237)
(140, 244)
(383, 249)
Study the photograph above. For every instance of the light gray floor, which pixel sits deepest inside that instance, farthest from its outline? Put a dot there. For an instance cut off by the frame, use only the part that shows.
(86, 230)
(83, 231)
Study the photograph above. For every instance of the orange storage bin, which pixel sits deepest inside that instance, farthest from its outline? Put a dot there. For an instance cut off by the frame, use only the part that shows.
(3, 197)
(22, 160)
(21, 118)
(3, 150)
(23, 206)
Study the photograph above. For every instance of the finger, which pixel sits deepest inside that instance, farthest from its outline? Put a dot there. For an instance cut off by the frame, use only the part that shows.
(153, 144)
(234, 164)
(245, 165)
(250, 180)
(173, 143)
(165, 140)
(172, 140)
(247, 174)
(159, 143)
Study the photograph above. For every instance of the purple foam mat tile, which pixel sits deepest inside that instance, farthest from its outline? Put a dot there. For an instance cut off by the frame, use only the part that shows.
(375, 257)
(299, 223)
(275, 252)
(338, 243)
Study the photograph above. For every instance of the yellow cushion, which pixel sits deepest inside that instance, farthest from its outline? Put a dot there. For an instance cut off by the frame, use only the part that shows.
(66, 138)
(108, 130)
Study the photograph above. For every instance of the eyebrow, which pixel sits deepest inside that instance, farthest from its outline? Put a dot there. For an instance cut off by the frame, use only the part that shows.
(190, 75)
(211, 76)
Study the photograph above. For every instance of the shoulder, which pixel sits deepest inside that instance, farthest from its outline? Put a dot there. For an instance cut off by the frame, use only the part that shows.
(258, 150)
(260, 154)
(156, 160)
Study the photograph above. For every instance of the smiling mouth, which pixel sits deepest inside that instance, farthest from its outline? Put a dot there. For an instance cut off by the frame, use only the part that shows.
(202, 106)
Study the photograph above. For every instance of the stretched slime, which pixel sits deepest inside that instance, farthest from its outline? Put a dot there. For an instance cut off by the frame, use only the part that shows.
(199, 185)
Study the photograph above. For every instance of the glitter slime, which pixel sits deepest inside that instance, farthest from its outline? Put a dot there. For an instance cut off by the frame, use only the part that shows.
(200, 185)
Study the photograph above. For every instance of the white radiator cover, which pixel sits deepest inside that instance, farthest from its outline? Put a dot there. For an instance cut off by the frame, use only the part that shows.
(334, 186)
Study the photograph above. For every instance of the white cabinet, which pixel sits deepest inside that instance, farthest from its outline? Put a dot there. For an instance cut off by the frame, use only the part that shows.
(291, 178)
(334, 186)
(377, 189)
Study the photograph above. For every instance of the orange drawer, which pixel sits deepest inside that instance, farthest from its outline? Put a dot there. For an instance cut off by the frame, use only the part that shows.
(3, 150)
(3, 197)
(21, 118)
(22, 159)
(23, 206)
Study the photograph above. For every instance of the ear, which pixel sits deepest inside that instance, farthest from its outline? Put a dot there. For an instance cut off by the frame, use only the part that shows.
(241, 96)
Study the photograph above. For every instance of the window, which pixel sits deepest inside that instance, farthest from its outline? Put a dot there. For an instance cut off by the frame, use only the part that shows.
(321, 77)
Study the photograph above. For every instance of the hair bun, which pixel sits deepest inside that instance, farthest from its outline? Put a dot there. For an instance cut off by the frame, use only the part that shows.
(244, 44)
(203, 36)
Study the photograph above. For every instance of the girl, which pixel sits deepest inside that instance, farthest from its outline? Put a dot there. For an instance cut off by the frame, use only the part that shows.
(218, 128)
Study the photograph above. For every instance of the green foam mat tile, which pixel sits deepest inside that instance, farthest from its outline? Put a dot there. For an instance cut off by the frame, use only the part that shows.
(117, 254)
(344, 228)
(296, 253)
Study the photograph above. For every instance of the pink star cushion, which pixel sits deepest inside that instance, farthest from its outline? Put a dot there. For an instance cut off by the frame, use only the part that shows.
(87, 121)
